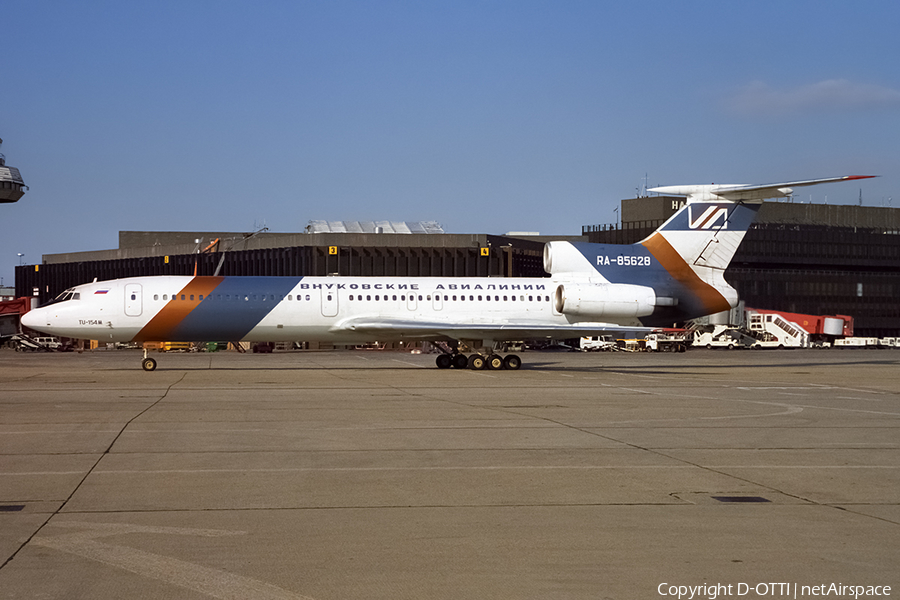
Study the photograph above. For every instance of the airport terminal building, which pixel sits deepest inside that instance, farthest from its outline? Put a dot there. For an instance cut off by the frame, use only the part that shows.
(803, 258)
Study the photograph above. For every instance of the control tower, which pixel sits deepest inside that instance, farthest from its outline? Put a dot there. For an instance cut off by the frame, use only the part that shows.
(11, 185)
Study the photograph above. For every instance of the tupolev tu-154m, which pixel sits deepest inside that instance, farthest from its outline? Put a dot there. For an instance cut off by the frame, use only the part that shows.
(673, 275)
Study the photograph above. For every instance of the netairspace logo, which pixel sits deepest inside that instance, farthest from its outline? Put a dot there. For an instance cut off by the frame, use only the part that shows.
(771, 590)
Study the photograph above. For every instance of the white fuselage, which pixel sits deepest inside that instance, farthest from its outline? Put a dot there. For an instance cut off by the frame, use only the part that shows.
(338, 309)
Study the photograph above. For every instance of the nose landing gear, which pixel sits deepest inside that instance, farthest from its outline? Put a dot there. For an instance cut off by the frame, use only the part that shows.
(148, 364)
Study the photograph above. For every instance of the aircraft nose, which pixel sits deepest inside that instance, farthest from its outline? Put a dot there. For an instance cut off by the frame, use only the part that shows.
(32, 320)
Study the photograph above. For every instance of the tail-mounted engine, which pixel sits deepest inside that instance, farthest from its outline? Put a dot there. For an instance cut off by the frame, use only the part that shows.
(605, 300)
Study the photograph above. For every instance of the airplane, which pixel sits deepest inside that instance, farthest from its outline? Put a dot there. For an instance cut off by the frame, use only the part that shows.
(673, 275)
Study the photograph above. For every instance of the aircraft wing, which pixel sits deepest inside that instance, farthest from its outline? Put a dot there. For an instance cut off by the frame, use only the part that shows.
(740, 192)
(513, 331)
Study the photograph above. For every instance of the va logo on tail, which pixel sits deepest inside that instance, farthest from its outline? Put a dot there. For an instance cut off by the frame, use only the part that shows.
(714, 217)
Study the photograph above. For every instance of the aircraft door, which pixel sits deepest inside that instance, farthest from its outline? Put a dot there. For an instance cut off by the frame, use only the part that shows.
(329, 303)
(133, 302)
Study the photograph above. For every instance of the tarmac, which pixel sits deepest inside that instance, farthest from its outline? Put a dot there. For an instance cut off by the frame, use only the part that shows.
(370, 475)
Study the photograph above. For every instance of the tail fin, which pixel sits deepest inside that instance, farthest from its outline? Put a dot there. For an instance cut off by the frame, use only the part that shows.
(694, 247)
(705, 235)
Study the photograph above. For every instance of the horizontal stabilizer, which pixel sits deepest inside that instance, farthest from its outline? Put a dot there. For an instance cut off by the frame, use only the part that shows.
(745, 193)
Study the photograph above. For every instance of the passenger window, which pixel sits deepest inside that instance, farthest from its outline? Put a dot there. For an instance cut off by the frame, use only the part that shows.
(394, 297)
(156, 296)
(165, 296)
(182, 296)
(192, 297)
(307, 296)
(368, 298)
(134, 296)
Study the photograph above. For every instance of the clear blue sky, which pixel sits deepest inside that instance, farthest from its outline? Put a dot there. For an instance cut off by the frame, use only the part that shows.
(484, 116)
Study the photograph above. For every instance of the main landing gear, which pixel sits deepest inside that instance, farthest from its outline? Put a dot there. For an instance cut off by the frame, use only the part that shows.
(478, 362)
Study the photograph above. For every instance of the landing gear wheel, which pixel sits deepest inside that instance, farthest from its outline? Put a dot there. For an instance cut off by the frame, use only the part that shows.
(512, 362)
(495, 362)
(148, 364)
(477, 362)
(460, 361)
(444, 361)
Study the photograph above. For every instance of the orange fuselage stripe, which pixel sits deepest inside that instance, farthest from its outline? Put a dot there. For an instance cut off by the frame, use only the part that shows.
(160, 327)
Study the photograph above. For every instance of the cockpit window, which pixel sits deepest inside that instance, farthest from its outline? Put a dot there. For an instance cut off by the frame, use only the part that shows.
(69, 294)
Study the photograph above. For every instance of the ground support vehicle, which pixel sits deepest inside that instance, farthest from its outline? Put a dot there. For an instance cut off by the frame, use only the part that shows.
(669, 341)
(722, 336)
(598, 343)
